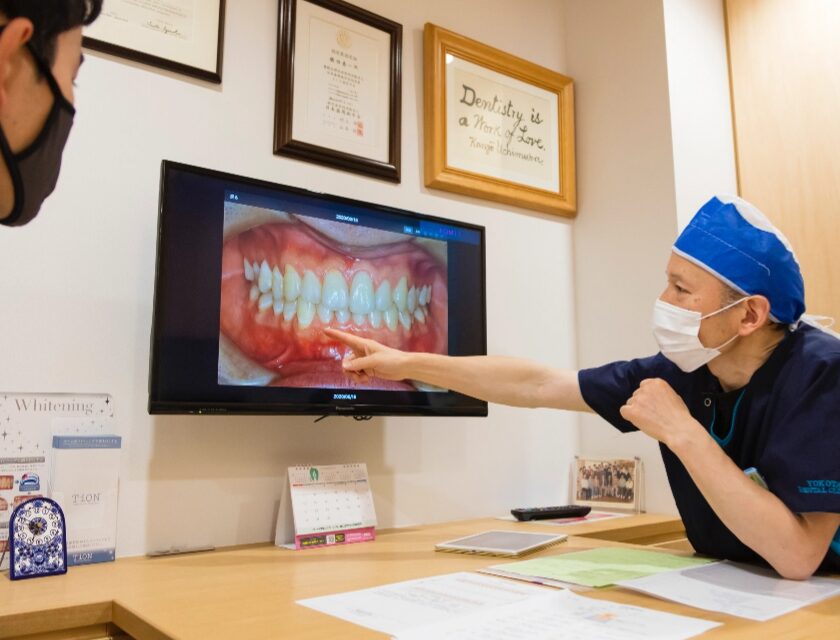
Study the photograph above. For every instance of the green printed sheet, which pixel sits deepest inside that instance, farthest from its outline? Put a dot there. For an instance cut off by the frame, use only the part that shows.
(600, 567)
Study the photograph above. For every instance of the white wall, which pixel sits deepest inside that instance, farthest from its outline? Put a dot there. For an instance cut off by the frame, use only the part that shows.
(77, 286)
(701, 114)
(615, 50)
(654, 141)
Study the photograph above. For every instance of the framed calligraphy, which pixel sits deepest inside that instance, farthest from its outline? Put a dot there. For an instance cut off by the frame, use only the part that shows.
(339, 87)
(184, 36)
(497, 127)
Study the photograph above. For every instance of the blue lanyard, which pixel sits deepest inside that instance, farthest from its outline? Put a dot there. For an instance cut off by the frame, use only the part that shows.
(725, 441)
(835, 544)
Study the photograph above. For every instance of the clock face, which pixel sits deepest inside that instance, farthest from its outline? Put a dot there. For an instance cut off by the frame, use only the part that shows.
(37, 539)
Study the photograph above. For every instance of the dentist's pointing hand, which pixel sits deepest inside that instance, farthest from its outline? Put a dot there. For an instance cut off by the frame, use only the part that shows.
(370, 358)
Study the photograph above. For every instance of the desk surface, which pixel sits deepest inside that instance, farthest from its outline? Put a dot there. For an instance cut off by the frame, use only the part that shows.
(250, 591)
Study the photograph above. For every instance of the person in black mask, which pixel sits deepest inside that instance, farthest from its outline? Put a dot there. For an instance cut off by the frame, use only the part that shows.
(40, 55)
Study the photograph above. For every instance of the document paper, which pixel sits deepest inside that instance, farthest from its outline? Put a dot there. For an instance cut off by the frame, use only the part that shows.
(395, 608)
(597, 567)
(739, 590)
(563, 614)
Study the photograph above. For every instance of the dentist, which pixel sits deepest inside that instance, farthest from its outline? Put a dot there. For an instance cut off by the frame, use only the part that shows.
(741, 384)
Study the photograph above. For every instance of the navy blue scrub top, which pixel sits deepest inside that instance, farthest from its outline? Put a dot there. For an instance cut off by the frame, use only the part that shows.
(785, 422)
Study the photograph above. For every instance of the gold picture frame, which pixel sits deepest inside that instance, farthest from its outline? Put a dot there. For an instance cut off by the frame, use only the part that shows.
(509, 138)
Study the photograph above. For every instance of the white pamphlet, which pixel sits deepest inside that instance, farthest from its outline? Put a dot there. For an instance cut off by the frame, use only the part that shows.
(85, 482)
(28, 421)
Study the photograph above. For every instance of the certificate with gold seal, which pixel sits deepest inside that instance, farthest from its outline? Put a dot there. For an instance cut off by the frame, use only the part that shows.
(338, 103)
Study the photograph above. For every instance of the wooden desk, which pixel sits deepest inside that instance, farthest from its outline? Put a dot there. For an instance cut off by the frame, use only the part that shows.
(250, 591)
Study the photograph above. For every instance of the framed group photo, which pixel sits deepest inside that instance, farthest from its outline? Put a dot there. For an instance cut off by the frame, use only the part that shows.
(339, 87)
(496, 126)
(607, 483)
(183, 36)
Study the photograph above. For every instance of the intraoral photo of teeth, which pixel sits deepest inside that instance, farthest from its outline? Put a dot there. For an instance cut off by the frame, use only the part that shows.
(285, 277)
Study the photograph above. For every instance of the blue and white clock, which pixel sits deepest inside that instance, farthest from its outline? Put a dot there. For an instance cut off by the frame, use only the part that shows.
(37, 540)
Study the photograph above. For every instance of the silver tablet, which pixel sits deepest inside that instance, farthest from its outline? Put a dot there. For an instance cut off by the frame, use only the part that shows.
(501, 543)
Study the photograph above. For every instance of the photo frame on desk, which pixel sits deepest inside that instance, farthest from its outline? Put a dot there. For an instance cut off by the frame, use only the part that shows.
(608, 483)
(497, 126)
(339, 87)
(183, 36)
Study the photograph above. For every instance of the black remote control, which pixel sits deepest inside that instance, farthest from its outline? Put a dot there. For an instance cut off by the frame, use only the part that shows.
(550, 513)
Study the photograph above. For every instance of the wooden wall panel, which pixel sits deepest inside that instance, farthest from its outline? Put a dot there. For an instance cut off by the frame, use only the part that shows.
(784, 58)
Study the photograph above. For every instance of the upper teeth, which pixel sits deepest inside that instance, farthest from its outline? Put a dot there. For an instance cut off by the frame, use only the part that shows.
(361, 293)
(401, 293)
(264, 281)
(310, 290)
(383, 296)
(291, 283)
(334, 291)
(290, 295)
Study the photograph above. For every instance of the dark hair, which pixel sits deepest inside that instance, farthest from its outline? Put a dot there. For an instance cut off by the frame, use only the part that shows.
(731, 296)
(51, 18)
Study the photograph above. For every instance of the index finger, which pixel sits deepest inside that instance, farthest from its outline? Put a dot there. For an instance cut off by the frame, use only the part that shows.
(352, 341)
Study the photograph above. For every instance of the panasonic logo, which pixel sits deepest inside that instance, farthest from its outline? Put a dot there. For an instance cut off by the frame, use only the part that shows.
(344, 396)
(344, 218)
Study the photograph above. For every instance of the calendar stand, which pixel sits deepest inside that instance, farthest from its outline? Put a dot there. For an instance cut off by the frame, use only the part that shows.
(324, 506)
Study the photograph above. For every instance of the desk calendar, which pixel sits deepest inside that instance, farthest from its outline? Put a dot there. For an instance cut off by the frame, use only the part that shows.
(326, 505)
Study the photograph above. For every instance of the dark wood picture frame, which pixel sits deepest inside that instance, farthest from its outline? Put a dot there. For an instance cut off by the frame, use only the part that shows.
(165, 63)
(285, 145)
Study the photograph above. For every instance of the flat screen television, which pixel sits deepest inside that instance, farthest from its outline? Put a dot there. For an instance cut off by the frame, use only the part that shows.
(249, 272)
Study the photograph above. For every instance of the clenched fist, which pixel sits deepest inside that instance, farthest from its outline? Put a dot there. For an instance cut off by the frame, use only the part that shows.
(656, 409)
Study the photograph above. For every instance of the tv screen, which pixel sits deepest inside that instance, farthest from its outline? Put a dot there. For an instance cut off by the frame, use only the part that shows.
(249, 273)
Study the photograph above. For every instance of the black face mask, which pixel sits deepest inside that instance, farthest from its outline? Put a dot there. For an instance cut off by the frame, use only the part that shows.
(34, 171)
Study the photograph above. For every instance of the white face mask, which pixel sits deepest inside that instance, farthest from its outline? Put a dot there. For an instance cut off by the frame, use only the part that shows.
(677, 332)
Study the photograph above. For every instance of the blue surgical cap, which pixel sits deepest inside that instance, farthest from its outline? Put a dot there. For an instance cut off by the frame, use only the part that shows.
(735, 242)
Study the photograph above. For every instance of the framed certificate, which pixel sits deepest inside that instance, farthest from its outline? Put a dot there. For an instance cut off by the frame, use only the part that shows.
(496, 126)
(185, 36)
(339, 90)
